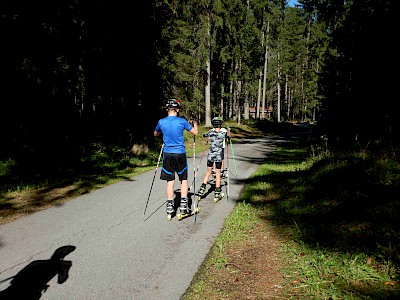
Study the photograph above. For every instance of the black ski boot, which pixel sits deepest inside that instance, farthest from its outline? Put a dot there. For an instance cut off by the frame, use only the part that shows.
(218, 195)
(185, 211)
(224, 174)
(170, 209)
(202, 190)
(184, 208)
(213, 174)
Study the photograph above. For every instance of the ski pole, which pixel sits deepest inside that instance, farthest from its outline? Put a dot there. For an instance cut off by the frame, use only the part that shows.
(155, 172)
(198, 166)
(227, 170)
(233, 156)
(194, 178)
(227, 164)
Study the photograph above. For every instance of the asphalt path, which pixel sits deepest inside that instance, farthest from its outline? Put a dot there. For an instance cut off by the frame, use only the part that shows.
(102, 246)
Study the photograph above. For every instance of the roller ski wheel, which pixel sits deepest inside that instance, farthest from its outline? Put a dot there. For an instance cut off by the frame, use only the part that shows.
(181, 216)
(219, 197)
(170, 210)
(200, 197)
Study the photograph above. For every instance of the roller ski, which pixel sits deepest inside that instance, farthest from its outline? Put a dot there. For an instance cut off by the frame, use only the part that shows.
(185, 211)
(201, 192)
(170, 209)
(218, 195)
(188, 213)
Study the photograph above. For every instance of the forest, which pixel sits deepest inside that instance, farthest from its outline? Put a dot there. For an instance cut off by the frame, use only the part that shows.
(75, 73)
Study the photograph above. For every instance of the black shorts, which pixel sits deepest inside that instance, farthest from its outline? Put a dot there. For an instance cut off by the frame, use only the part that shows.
(218, 164)
(174, 162)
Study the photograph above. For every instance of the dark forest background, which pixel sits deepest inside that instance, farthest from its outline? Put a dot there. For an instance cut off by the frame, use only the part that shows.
(74, 73)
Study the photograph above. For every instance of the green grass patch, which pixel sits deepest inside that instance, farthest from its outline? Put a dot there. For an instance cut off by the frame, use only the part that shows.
(237, 228)
(340, 214)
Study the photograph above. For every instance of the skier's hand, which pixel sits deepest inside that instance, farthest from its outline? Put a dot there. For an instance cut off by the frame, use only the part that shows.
(206, 134)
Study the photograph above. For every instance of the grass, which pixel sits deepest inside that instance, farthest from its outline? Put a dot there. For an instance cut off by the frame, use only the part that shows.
(338, 215)
(306, 226)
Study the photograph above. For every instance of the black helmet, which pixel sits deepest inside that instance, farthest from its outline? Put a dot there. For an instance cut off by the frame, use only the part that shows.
(217, 121)
(172, 103)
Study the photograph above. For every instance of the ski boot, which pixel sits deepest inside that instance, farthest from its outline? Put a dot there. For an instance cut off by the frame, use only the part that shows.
(224, 174)
(213, 174)
(200, 193)
(184, 208)
(170, 209)
(218, 195)
(185, 211)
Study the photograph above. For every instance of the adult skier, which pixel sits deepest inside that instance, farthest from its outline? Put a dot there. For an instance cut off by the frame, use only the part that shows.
(174, 154)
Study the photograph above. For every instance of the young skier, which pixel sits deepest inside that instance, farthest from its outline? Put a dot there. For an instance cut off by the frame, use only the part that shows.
(224, 173)
(174, 154)
(215, 157)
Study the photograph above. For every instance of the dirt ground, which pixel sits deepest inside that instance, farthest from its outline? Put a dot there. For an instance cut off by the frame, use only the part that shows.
(252, 270)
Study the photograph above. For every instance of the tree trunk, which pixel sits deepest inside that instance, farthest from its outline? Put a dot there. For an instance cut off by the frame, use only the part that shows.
(246, 107)
(208, 81)
(230, 100)
(265, 75)
(287, 98)
(257, 116)
(278, 86)
(222, 101)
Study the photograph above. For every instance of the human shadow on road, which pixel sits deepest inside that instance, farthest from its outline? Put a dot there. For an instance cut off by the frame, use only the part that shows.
(32, 281)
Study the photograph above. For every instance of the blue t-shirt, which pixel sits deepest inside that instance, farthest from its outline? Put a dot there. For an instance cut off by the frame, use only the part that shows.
(172, 129)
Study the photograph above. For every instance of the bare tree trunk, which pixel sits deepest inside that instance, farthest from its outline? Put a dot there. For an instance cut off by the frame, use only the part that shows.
(287, 100)
(237, 106)
(265, 74)
(238, 92)
(257, 114)
(222, 101)
(230, 102)
(259, 96)
(303, 93)
(246, 115)
(279, 88)
(208, 84)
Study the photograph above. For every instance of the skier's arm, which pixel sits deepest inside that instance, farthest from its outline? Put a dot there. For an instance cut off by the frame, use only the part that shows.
(194, 130)
(207, 134)
(157, 130)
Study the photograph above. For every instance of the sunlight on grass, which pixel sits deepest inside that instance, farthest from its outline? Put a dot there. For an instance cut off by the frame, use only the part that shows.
(341, 217)
(324, 274)
(339, 213)
(236, 228)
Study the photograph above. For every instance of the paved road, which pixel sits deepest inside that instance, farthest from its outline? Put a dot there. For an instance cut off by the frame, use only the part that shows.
(110, 250)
